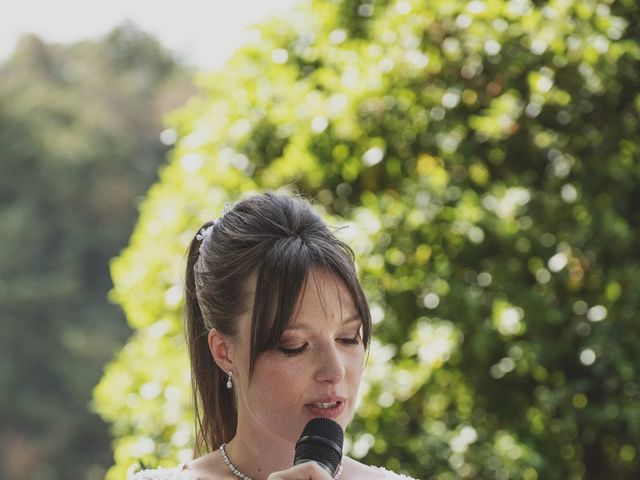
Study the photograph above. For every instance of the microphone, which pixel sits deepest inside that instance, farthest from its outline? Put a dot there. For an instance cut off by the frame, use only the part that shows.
(320, 442)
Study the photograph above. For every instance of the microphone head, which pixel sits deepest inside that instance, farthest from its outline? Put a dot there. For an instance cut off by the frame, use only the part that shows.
(320, 442)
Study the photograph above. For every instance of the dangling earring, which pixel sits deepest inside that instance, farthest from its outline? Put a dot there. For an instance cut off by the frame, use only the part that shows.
(229, 384)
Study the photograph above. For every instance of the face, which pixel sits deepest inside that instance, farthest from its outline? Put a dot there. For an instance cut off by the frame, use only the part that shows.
(314, 372)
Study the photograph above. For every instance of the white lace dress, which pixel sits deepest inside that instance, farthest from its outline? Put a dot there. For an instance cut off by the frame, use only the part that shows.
(179, 473)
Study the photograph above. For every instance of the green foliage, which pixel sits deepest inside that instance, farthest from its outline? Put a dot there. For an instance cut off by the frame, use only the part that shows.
(484, 156)
(79, 144)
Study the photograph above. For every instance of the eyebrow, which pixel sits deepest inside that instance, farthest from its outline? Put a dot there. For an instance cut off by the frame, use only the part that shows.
(351, 319)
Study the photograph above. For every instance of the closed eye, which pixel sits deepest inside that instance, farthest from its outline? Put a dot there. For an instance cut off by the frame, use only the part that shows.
(351, 341)
(289, 352)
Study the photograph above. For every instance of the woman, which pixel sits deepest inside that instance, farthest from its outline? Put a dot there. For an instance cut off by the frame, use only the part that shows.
(278, 325)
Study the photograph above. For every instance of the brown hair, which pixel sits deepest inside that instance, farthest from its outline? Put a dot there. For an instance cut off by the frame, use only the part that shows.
(278, 239)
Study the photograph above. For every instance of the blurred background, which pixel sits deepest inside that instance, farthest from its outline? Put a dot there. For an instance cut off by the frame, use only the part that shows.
(484, 156)
(83, 91)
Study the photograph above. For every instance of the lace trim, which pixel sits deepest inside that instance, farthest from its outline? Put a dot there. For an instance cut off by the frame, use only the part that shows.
(392, 475)
(177, 473)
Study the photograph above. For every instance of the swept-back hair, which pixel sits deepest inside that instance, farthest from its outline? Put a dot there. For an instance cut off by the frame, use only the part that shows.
(274, 241)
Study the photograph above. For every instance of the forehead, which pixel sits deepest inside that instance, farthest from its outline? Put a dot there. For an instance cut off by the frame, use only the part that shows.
(324, 296)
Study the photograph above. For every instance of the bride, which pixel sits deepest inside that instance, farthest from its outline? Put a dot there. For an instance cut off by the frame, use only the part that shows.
(278, 326)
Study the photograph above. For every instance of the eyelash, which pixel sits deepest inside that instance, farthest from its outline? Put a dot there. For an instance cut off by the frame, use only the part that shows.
(291, 352)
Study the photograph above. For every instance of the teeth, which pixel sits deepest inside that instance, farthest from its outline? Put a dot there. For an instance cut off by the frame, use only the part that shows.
(325, 405)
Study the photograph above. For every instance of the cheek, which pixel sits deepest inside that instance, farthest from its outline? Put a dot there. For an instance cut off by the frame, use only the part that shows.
(280, 381)
(355, 365)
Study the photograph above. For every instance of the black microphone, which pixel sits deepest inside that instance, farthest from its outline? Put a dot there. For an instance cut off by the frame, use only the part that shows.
(320, 442)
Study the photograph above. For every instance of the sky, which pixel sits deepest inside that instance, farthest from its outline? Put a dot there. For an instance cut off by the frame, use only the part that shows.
(204, 33)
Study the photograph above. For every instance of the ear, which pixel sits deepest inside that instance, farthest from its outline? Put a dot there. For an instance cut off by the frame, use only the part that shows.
(221, 350)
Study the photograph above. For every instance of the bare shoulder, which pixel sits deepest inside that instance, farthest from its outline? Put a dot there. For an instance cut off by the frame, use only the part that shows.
(360, 471)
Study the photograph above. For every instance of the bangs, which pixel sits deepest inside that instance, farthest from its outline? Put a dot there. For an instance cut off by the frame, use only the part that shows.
(282, 277)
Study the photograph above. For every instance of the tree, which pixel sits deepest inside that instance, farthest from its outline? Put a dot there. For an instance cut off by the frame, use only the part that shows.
(79, 144)
(485, 158)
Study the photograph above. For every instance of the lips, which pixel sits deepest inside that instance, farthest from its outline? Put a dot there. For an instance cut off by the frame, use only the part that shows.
(328, 407)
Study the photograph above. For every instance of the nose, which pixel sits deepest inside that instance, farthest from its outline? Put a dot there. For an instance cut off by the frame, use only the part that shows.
(330, 365)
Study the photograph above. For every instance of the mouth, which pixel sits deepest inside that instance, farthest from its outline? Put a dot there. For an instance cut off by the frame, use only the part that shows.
(325, 405)
(331, 409)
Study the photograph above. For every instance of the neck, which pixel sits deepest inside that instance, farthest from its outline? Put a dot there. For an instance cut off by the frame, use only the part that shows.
(257, 456)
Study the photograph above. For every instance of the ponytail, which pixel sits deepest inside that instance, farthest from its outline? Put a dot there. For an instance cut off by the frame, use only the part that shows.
(214, 405)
